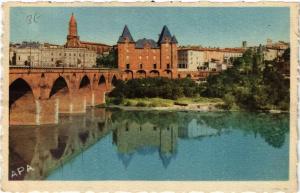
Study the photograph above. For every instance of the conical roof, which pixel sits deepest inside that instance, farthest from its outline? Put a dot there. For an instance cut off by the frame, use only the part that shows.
(126, 34)
(165, 34)
(174, 40)
(72, 19)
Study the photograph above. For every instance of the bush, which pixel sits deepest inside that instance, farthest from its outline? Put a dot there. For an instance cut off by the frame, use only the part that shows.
(154, 104)
(141, 104)
(156, 87)
(129, 103)
(118, 100)
(229, 101)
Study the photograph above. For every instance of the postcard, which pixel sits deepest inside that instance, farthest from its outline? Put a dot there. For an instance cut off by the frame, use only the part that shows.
(150, 97)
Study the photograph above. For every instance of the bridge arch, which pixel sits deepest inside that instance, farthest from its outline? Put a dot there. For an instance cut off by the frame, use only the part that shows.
(85, 90)
(168, 73)
(114, 80)
(85, 82)
(22, 103)
(59, 86)
(60, 91)
(128, 75)
(17, 89)
(102, 81)
(141, 74)
(154, 73)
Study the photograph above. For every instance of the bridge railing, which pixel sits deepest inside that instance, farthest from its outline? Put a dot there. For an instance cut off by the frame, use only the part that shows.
(62, 68)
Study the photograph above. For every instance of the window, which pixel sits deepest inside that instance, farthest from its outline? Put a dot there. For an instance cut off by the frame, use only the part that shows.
(141, 66)
(65, 54)
(59, 54)
(127, 66)
(70, 54)
(51, 59)
(168, 65)
(154, 66)
(19, 58)
(74, 54)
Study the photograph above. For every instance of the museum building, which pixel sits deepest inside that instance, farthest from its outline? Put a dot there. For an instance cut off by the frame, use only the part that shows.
(147, 57)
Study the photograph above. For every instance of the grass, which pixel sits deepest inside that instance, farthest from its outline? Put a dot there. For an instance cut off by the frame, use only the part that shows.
(148, 102)
(195, 100)
(159, 102)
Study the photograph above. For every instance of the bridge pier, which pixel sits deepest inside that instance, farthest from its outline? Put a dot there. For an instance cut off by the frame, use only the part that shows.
(99, 97)
(47, 111)
(78, 103)
(27, 112)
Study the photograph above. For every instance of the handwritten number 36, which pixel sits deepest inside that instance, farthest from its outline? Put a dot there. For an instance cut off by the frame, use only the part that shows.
(33, 18)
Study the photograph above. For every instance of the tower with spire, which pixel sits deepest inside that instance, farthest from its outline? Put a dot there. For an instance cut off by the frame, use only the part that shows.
(73, 38)
(147, 57)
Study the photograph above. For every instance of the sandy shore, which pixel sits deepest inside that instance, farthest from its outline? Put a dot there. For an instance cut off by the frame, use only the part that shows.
(190, 107)
(213, 107)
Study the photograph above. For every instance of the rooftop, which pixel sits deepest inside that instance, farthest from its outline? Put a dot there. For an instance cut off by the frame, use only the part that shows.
(141, 43)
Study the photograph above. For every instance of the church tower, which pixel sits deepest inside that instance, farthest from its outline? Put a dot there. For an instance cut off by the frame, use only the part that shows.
(72, 38)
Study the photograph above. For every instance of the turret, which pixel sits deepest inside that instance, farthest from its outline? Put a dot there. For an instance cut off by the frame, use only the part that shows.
(126, 49)
(168, 49)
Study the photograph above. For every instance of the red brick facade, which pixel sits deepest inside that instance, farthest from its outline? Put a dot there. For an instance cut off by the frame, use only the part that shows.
(146, 57)
(73, 40)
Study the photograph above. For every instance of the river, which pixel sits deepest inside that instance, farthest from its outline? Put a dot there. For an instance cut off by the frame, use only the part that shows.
(112, 144)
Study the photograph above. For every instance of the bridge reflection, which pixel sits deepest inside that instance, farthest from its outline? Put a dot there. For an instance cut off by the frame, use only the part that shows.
(48, 147)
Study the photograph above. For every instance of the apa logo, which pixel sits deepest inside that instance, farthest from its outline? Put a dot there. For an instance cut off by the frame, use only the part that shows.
(19, 171)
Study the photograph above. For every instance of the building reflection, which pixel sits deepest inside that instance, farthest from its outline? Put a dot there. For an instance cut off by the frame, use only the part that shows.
(47, 148)
(144, 135)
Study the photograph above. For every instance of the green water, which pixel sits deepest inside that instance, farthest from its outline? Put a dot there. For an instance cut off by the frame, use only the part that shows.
(158, 145)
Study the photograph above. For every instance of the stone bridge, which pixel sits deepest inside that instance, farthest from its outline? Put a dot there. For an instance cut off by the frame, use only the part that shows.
(38, 95)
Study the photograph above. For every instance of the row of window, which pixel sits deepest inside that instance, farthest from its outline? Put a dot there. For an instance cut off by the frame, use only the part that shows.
(32, 57)
(70, 54)
(147, 57)
(141, 66)
(182, 66)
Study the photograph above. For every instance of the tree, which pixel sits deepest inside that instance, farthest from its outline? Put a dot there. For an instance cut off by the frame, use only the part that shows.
(108, 61)
(254, 83)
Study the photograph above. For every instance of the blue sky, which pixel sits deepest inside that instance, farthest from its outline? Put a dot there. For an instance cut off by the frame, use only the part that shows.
(206, 26)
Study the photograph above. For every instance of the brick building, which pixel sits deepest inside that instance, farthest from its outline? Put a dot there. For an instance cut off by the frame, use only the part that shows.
(73, 40)
(147, 57)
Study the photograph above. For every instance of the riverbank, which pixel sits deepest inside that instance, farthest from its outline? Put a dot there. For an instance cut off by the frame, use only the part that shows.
(181, 104)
